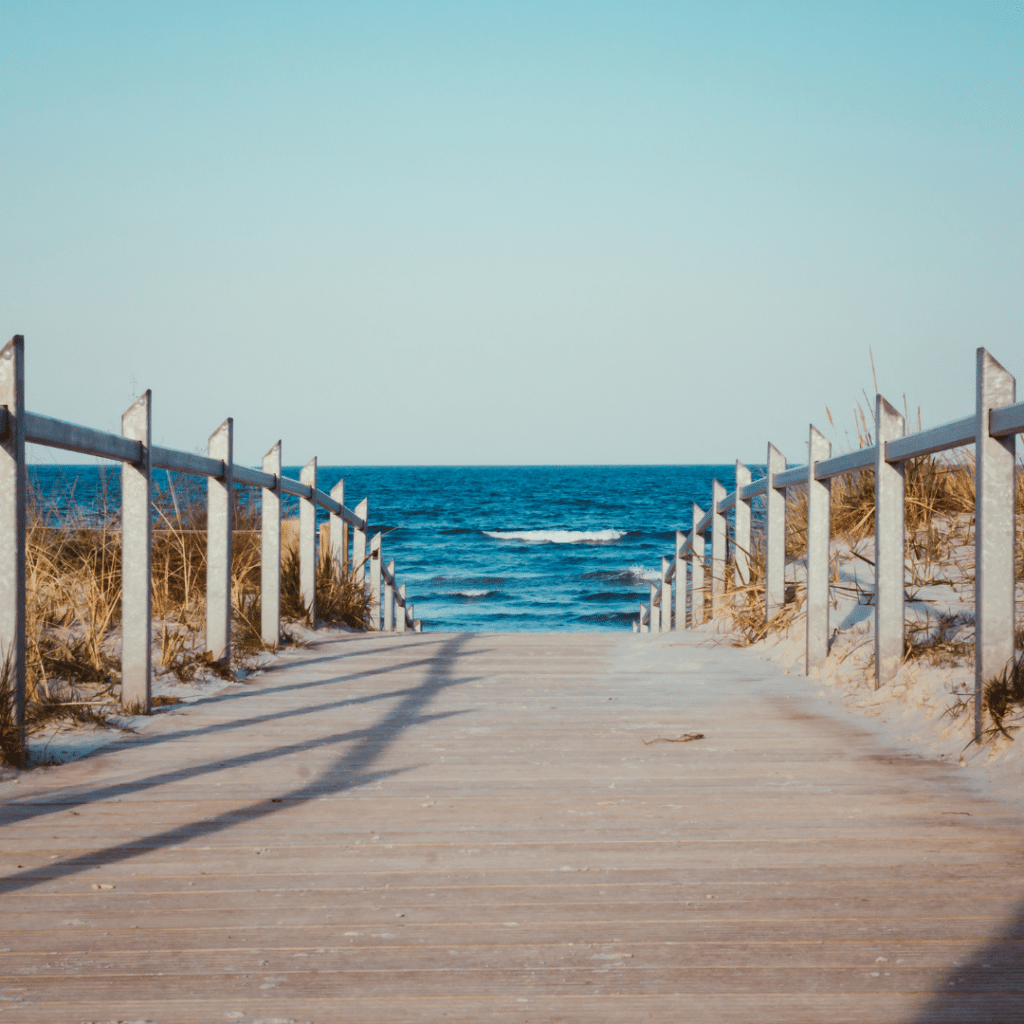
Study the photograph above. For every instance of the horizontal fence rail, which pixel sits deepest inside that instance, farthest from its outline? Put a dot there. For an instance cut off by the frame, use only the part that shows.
(138, 458)
(997, 419)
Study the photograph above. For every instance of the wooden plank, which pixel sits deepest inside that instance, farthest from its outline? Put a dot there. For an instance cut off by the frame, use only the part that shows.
(471, 827)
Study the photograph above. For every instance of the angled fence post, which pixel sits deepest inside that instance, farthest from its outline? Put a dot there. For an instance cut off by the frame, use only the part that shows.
(741, 529)
(680, 622)
(12, 531)
(338, 533)
(994, 529)
(889, 546)
(644, 626)
(696, 570)
(359, 542)
(819, 505)
(137, 562)
(401, 614)
(219, 515)
(666, 596)
(375, 542)
(270, 551)
(307, 542)
(718, 541)
(389, 600)
(775, 537)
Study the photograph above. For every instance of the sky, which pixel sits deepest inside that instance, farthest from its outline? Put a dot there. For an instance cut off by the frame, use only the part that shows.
(509, 233)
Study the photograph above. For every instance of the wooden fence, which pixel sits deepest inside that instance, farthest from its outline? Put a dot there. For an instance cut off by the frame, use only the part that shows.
(139, 457)
(992, 429)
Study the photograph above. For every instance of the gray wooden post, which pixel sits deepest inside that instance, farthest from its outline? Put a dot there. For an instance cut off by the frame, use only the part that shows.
(137, 562)
(655, 610)
(889, 546)
(994, 529)
(338, 533)
(12, 533)
(644, 626)
(741, 529)
(666, 596)
(401, 615)
(410, 616)
(775, 537)
(270, 551)
(819, 505)
(718, 542)
(359, 542)
(696, 570)
(219, 515)
(375, 581)
(680, 622)
(389, 600)
(307, 542)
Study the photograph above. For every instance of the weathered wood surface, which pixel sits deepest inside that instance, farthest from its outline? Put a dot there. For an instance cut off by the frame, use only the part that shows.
(466, 828)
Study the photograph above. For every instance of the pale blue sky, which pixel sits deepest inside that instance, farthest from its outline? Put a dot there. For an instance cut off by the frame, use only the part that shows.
(509, 233)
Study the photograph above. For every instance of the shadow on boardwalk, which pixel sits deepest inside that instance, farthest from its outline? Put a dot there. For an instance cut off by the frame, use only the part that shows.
(988, 988)
(355, 767)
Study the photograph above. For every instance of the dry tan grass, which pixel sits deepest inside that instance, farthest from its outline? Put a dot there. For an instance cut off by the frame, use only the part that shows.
(73, 603)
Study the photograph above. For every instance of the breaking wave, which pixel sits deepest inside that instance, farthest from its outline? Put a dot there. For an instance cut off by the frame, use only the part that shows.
(558, 536)
(634, 576)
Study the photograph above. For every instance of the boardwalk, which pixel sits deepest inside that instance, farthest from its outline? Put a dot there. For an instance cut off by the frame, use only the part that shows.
(470, 828)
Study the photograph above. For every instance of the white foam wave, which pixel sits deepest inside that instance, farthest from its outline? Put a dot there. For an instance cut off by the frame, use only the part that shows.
(557, 536)
(641, 572)
(474, 593)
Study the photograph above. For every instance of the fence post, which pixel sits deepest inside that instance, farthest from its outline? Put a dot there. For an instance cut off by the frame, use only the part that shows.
(666, 597)
(718, 540)
(889, 546)
(219, 515)
(994, 529)
(400, 617)
(359, 542)
(741, 529)
(270, 551)
(389, 600)
(655, 610)
(819, 515)
(307, 542)
(337, 533)
(12, 532)
(375, 581)
(137, 562)
(775, 537)
(410, 615)
(680, 581)
(696, 570)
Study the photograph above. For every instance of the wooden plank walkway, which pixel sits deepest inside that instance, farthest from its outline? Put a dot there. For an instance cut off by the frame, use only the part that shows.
(469, 827)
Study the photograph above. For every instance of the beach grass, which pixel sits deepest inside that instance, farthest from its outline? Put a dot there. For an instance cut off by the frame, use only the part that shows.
(73, 605)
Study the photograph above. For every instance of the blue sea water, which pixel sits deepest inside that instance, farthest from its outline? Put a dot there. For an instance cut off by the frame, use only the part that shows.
(491, 548)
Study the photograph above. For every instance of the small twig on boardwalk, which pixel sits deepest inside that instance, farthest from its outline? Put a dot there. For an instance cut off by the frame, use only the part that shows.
(685, 738)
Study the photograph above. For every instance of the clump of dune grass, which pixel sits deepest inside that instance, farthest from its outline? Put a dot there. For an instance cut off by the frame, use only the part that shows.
(1003, 699)
(341, 595)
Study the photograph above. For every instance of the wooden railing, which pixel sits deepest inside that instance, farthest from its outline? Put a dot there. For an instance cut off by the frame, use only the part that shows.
(138, 458)
(992, 429)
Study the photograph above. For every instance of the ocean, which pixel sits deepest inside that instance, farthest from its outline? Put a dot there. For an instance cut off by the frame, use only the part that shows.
(490, 548)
